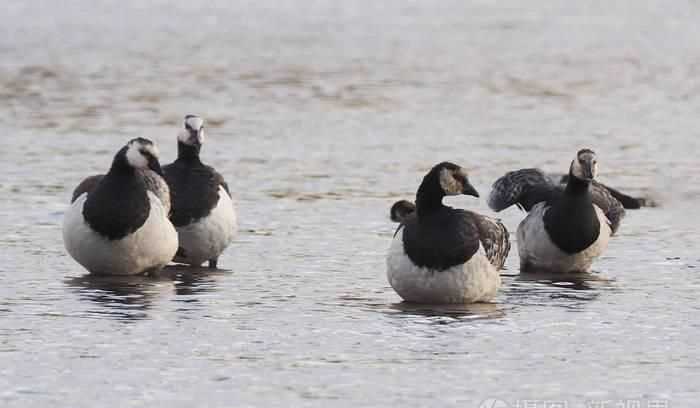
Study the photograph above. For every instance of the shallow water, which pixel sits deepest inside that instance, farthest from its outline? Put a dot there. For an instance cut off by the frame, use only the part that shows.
(320, 116)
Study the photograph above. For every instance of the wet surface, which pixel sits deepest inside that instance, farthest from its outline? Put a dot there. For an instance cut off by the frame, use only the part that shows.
(320, 117)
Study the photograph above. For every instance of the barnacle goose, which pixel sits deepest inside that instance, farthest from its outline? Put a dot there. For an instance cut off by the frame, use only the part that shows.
(120, 227)
(440, 254)
(203, 211)
(566, 229)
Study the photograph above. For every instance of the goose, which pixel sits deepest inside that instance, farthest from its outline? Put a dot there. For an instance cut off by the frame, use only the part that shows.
(566, 229)
(203, 211)
(440, 254)
(120, 227)
(400, 210)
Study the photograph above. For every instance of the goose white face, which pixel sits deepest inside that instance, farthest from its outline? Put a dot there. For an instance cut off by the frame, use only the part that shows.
(193, 132)
(585, 165)
(140, 153)
(453, 181)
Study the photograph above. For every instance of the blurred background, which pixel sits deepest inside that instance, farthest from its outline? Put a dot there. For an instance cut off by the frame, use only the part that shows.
(320, 114)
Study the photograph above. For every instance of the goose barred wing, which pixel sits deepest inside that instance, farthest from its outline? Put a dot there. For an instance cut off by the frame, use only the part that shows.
(611, 206)
(494, 237)
(157, 184)
(524, 188)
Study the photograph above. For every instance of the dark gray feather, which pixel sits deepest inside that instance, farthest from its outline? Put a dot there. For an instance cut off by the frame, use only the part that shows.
(524, 188)
(611, 206)
(86, 186)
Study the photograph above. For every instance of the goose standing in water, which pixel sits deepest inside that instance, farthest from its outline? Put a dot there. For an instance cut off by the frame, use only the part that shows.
(440, 254)
(566, 229)
(203, 211)
(120, 227)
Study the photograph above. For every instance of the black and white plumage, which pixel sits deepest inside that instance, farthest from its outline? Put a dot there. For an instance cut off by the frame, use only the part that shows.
(120, 227)
(154, 182)
(203, 211)
(567, 228)
(441, 254)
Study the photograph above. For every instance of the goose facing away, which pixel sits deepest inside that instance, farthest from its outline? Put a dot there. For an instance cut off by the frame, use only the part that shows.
(440, 254)
(203, 211)
(400, 210)
(566, 229)
(120, 227)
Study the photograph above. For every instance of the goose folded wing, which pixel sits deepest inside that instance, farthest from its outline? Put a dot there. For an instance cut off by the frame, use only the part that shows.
(611, 206)
(494, 237)
(86, 186)
(219, 180)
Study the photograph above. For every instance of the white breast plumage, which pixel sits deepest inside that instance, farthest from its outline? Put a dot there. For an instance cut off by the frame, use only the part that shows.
(477, 280)
(205, 239)
(150, 247)
(538, 252)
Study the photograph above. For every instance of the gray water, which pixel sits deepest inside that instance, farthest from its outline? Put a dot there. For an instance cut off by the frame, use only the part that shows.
(320, 115)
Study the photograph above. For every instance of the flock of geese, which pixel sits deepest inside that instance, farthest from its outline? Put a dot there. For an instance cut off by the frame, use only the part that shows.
(139, 217)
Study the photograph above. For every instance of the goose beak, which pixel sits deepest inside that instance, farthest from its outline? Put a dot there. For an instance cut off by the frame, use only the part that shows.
(155, 166)
(588, 169)
(470, 190)
(196, 137)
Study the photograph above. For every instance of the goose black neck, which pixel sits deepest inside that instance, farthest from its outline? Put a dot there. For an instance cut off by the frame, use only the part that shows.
(120, 165)
(572, 222)
(187, 152)
(577, 186)
(429, 196)
(119, 204)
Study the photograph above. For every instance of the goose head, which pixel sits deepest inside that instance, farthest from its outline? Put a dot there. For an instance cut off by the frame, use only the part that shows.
(140, 154)
(192, 133)
(453, 179)
(401, 209)
(585, 165)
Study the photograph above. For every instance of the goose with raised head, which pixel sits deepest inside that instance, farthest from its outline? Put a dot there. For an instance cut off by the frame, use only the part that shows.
(203, 211)
(566, 229)
(441, 254)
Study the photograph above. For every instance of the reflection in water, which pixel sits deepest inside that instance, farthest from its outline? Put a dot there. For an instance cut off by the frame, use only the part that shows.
(441, 312)
(122, 297)
(574, 281)
(570, 291)
(472, 311)
(192, 281)
(130, 297)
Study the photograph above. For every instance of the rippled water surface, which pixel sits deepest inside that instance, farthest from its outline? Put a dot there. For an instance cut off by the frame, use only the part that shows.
(321, 114)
